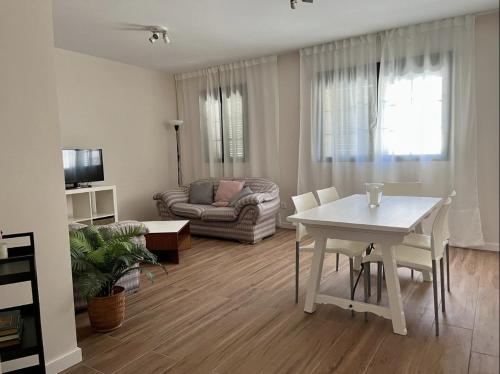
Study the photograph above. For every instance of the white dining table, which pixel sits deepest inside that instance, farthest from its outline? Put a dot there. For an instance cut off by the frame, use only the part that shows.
(351, 218)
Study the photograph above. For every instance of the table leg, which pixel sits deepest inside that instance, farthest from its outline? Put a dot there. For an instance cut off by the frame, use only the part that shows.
(357, 263)
(393, 290)
(315, 274)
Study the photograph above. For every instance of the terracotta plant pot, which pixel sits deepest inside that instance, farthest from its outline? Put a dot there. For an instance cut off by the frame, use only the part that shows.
(107, 313)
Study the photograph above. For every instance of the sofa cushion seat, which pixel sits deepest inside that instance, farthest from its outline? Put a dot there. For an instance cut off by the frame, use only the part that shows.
(219, 214)
(188, 210)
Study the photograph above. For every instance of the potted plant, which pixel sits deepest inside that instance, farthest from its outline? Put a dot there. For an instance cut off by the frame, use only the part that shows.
(99, 258)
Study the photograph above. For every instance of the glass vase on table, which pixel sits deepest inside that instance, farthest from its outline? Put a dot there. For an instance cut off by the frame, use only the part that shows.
(374, 193)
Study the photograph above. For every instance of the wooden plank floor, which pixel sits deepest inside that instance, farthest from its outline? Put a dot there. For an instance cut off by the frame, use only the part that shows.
(229, 308)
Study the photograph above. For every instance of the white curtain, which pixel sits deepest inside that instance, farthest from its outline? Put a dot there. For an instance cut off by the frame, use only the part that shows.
(338, 89)
(423, 126)
(231, 120)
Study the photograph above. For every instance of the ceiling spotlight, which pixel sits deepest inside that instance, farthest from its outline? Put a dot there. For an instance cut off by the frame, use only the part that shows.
(293, 3)
(154, 37)
(156, 32)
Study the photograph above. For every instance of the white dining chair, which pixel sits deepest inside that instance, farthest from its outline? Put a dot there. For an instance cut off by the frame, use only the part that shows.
(325, 196)
(424, 241)
(420, 259)
(404, 189)
(348, 248)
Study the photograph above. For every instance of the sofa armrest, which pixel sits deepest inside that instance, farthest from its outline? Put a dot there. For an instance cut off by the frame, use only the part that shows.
(255, 199)
(268, 209)
(178, 195)
(261, 211)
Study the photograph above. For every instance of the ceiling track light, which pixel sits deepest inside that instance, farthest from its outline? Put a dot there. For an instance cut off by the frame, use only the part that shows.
(293, 3)
(158, 32)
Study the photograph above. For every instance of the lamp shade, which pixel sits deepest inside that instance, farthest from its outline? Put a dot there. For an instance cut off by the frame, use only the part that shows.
(176, 122)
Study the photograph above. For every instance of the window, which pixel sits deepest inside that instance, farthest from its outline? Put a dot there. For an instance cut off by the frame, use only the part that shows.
(234, 125)
(226, 123)
(414, 122)
(212, 111)
(415, 117)
(345, 117)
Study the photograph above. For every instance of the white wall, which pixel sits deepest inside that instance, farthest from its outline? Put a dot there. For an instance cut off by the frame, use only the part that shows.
(488, 125)
(31, 174)
(124, 110)
(102, 96)
(488, 122)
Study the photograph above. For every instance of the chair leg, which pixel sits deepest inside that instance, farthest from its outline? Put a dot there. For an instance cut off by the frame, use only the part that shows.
(296, 272)
(351, 280)
(379, 281)
(448, 266)
(337, 263)
(411, 273)
(441, 270)
(366, 275)
(369, 278)
(434, 287)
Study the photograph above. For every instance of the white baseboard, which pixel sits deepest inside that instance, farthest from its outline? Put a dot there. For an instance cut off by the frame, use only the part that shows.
(63, 362)
(281, 221)
(286, 225)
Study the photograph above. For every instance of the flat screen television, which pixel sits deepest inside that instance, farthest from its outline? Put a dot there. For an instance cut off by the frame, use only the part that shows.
(82, 166)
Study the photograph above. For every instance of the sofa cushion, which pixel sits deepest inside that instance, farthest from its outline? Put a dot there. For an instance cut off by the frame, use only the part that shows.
(227, 189)
(244, 192)
(189, 210)
(219, 214)
(201, 193)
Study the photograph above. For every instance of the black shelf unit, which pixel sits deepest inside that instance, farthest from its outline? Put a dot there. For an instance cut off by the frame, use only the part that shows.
(20, 266)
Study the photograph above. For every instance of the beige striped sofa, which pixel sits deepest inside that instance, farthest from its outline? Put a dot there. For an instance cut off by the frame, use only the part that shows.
(251, 219)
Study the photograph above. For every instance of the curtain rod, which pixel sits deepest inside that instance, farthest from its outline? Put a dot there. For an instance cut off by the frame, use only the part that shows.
(380, 32)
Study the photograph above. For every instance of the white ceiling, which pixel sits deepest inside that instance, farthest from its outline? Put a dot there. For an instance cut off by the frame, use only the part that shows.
(208, 32)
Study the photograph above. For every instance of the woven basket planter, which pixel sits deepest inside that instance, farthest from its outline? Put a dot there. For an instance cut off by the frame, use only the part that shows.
(107, 313)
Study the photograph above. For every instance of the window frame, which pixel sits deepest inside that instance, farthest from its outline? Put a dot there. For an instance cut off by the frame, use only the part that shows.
(446, 130)
(319, 135)
(224, 141)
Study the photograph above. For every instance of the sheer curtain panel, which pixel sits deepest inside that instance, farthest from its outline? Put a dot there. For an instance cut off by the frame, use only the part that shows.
(395, 106)
(338, 114)
(231, 116)
(197, 100)
(427, 117)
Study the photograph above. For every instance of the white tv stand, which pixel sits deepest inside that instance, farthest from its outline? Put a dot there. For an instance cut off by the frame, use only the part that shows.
(92, 205)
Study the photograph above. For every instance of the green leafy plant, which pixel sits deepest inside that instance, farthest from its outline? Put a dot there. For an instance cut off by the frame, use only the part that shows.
(100, 257)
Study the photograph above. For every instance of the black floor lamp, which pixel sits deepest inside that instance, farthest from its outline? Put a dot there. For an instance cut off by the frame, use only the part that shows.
(177, 124)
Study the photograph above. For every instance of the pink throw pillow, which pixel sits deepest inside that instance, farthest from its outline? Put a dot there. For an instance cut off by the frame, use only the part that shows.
(227, 189)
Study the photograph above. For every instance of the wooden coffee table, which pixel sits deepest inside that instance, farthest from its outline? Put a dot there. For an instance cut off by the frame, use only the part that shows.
(167, 238)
